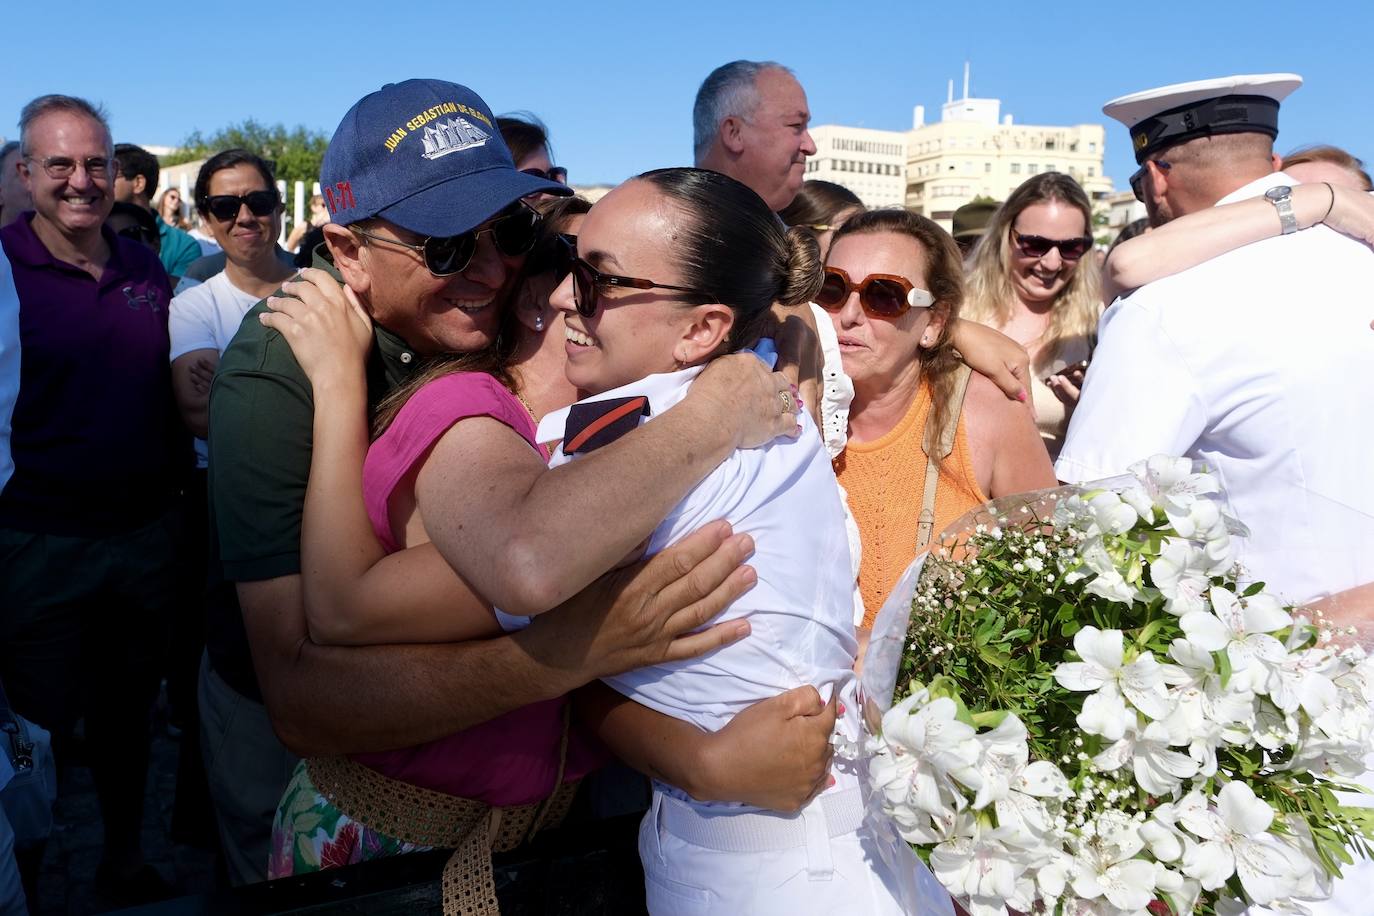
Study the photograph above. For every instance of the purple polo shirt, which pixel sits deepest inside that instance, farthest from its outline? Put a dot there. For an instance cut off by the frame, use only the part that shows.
(98, 447)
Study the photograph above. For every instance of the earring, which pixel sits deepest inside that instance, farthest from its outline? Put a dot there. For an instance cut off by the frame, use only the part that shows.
(539, 322)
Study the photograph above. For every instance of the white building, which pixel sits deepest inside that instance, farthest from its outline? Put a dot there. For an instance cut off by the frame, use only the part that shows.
(976, 151)
(871, 163)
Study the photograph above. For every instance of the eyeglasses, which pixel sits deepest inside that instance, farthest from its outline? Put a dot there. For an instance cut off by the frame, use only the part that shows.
(587, 281)
(225, 207)
(1138, 176)
(555, 173)
(881, 295)
(514, 234)
(60, 167)
(1037, 246)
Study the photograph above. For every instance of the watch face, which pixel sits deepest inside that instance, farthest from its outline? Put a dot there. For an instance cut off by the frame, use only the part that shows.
(1278, 193)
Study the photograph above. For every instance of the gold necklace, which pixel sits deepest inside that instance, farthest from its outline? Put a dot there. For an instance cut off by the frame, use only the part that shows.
(534, 416)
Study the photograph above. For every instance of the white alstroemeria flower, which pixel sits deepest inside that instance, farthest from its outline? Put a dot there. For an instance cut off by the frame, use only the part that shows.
(1182, 892)
(929, 748)
(1073, 513)
(1166, 841)
(1013, 786)
(1235, 840)
(1103, 670)
(1204, 711)
(1182, 573)
(1301, 680)
(1241, 627)
(1113, 516)
(1317, 885)
(1158, 770)
(1109, 583)
(1172, 486)
(1105, 866)
(982, 869)
(1273, 727)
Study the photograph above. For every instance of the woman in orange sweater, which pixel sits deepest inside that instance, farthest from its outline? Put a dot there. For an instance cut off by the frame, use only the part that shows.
(893, 287)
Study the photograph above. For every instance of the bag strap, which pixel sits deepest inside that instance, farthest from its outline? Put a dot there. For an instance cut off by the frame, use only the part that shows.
(938, 444)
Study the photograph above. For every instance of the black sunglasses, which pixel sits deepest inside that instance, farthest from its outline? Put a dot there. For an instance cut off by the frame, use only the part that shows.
(1037, 246)
(513, 233)
(138, 233)
(555, 173)
(1138, 176)
(225, 207)
(587, 281)
(881, 295)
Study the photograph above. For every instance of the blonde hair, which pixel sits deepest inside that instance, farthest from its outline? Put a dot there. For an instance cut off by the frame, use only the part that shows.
(989, 290)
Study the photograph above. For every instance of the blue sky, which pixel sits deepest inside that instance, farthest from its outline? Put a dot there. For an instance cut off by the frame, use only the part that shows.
(615, 80)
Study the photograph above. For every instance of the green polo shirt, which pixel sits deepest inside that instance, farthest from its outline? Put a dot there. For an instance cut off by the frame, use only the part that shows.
(261, 415)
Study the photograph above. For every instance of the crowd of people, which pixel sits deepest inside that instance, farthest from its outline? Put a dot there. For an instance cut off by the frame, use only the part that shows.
(489, 503)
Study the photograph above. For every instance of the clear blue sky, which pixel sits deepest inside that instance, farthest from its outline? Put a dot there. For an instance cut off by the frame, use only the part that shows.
(615, 80)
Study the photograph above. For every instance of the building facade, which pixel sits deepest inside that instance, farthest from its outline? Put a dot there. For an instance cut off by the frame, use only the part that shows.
(974, 151)
(871, 163)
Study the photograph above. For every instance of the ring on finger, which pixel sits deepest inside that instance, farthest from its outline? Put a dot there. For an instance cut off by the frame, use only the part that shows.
(789, 403)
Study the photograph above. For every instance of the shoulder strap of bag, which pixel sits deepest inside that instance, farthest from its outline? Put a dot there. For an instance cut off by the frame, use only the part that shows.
(938, 444)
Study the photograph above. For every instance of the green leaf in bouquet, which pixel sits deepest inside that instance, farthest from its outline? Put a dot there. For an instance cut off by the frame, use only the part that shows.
(994, 657)
(1018, 633)
(1149, 631)
(1223, 659)
(990, 719)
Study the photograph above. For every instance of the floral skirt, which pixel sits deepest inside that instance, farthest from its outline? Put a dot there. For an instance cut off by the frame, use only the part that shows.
(309, 834)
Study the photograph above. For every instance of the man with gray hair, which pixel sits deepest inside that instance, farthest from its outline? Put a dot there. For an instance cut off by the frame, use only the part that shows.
(14, 197)
(750, 121)
(88, 520)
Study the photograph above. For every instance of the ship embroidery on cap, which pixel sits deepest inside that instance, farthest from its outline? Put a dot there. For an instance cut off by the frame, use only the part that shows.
(452, 136)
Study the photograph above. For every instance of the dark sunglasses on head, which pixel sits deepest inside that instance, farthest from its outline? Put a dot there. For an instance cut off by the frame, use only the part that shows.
(881, 295)
(225, 207)
(1036, 246)
(555, 173)
(514, 234)
(588, 281)
(1138, 176)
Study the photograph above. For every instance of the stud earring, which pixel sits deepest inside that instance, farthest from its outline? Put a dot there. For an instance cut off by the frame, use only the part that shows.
(539, 322)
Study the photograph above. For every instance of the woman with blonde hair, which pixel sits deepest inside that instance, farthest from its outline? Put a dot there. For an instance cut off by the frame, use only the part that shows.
(1029, 278)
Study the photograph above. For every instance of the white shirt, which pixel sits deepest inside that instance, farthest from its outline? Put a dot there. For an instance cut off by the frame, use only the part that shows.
(206, 317)
(785, 495)
(9, 364)
(1261, 363)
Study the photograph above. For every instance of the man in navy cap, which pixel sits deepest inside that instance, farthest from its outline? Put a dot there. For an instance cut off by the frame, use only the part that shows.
(414, 178)
(1252, 361)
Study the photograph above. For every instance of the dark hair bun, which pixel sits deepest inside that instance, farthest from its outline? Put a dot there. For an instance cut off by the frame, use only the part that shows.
(801, 275)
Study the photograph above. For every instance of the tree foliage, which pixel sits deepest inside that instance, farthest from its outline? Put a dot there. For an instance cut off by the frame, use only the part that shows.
(296, 152)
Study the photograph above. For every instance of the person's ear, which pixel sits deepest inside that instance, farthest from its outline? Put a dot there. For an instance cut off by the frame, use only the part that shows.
(934, 328)
(732, 134)
(140, 184)
(1276, 161)
(1159, 181)
(707, 330)
(350, 258)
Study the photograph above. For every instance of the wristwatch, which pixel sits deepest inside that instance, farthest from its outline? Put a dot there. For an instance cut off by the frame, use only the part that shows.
(1282, 199)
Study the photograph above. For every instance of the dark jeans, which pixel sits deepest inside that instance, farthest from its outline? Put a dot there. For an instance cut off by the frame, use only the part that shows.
(83, 631)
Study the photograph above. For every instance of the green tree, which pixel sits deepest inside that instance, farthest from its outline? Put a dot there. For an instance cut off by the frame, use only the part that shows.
(296, 152)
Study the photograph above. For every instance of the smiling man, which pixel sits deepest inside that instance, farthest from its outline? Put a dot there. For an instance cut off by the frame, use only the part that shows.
(750, 122)
(88, 521)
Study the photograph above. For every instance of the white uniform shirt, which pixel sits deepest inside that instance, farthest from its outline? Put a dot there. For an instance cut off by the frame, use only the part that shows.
(1261, 363)
(9, 364)
(785, 496)
(206, 317)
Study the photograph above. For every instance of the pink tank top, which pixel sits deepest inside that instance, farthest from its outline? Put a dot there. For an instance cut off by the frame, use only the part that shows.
(512, 759)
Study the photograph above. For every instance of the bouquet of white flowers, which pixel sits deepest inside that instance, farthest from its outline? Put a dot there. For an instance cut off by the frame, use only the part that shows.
(1094, 714)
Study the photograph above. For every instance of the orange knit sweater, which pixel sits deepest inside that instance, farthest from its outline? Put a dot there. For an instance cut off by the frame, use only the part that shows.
(885, 480)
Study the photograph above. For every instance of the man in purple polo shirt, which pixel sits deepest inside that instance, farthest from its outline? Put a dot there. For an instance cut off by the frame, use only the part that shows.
(88, 520)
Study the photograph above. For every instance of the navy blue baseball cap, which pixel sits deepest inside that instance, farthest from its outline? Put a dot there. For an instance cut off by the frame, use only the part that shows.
(425, 155)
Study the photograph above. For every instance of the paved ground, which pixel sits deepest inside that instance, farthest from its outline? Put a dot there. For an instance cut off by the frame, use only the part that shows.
(66, 883)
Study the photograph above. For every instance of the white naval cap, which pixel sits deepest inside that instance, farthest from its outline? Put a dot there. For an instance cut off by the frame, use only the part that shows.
(1226, 105)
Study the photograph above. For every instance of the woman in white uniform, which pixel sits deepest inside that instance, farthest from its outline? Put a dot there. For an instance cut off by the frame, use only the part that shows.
(674, 268)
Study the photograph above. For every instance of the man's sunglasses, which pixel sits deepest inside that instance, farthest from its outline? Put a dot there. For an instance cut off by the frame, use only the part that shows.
(588, 281)
(555, 173)
(881, 295)
(60, 167)
(225, 207)
(1138, 176)
(513, 233)
(1036, 246)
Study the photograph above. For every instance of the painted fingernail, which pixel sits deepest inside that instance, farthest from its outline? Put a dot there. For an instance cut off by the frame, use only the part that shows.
(1021, 395)
(830, 781)
(841, 708)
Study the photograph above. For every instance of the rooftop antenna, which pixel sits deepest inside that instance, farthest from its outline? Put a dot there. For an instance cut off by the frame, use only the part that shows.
(965, 79)
(951, 91)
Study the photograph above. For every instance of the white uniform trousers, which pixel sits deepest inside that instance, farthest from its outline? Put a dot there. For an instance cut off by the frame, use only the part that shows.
(700, 860)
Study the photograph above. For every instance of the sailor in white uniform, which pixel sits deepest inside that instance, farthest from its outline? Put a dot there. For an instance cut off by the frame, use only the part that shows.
(1259, 362)
(718, 858)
